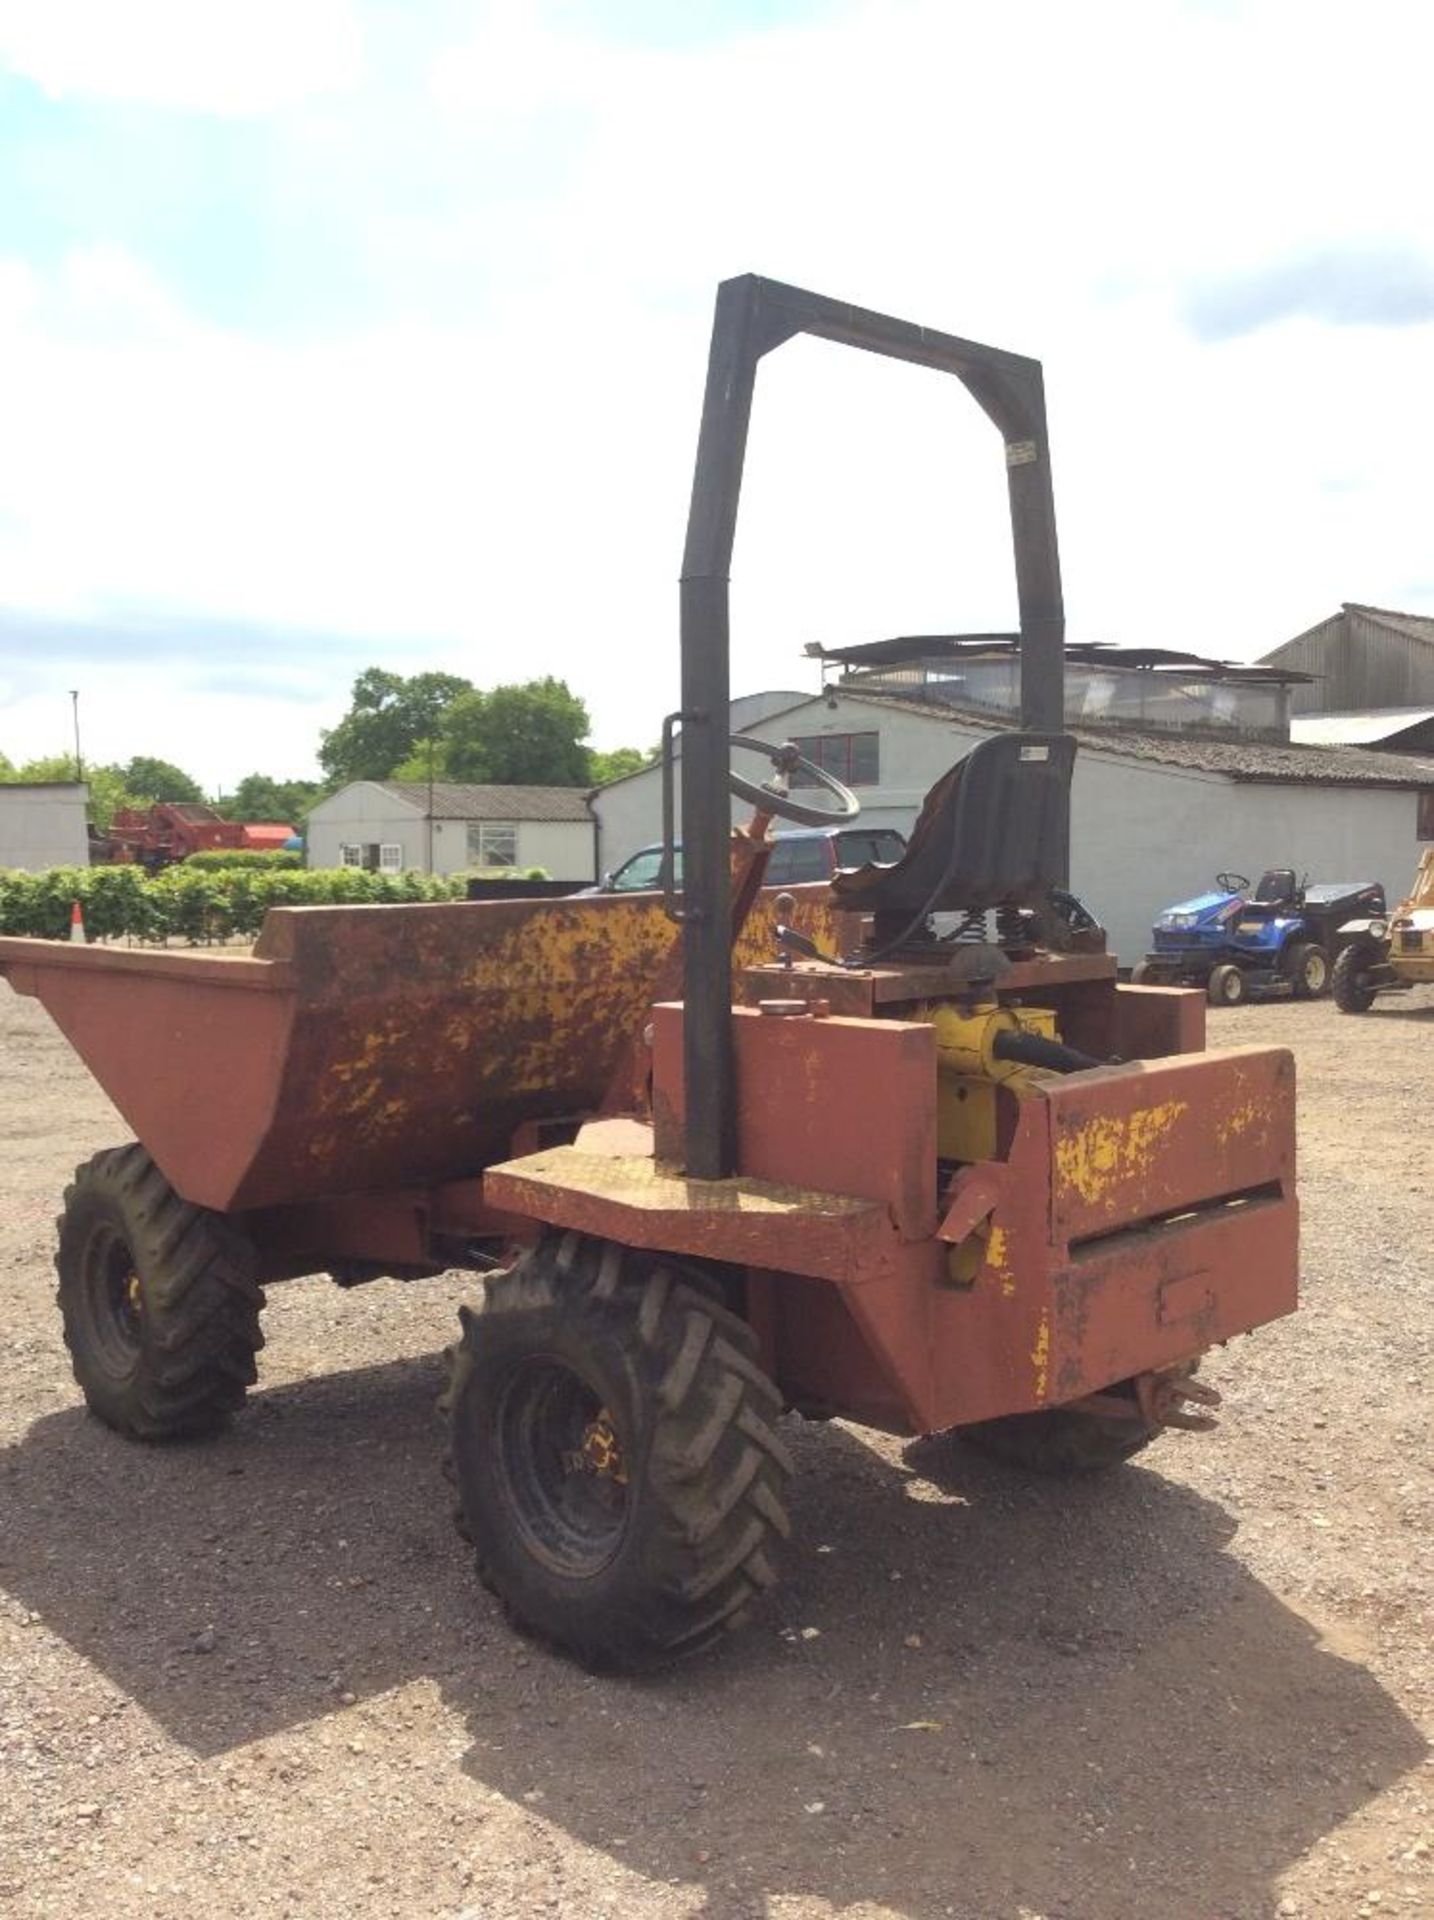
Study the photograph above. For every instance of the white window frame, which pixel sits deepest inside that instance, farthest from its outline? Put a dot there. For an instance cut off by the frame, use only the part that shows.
(482, 832)
(350, 856)
(390, 856)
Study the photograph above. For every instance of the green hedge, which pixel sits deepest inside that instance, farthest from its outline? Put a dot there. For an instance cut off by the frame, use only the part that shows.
(188, 904)
(247, 860)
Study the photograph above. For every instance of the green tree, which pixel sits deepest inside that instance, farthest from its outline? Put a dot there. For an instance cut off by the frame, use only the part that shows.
(108, 791)
(7, 771)
(389, 716)
(259, 796)
(160, 780)
(614, 763)
(524, 735)
(428, 761)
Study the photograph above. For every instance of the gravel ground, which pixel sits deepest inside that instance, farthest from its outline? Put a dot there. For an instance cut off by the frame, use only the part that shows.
(255, 1676)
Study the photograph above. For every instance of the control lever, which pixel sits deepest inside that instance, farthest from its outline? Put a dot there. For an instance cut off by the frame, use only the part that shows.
(789, 941)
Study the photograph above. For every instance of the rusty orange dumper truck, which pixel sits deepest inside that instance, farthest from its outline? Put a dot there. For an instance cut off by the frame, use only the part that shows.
(901, 1152)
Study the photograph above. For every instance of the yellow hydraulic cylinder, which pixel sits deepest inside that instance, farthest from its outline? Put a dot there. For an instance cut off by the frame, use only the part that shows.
(968, 1072)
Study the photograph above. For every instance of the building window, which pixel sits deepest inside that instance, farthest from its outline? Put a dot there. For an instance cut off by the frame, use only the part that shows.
(373, 856)
(492, 845)
(1424, 822)
(855, 758)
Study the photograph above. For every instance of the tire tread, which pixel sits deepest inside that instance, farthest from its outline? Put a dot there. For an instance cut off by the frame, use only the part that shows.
(201, 1295)
(714, 1467)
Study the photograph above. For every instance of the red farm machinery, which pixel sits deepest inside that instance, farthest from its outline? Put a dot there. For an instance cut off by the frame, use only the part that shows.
(902, 1154)
(158, 836)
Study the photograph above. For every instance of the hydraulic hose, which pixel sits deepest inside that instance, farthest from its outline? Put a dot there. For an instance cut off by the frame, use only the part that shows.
(1034, 1050)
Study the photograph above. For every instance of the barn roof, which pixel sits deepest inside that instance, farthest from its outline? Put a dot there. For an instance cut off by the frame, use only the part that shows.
(1363, 728)
(1252, 760)
(1412, 626)
(914, 648)
(456, 800)
(1406, 626)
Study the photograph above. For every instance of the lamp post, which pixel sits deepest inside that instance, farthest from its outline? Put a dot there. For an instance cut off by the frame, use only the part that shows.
(75, 709)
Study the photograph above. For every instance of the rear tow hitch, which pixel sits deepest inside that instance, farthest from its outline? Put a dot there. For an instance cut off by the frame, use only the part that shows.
(1160, 1400)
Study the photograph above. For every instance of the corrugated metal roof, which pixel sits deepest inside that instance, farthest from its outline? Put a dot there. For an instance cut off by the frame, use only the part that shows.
(1356, 729)
(1413, 626)
(916, 648)
(1236, 759)
(453, 800)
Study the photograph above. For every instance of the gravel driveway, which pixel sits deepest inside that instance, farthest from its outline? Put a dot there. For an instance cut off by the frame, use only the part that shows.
(256, 1676)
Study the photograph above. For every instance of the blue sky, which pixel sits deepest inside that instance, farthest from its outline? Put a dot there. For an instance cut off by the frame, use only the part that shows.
(349, 332)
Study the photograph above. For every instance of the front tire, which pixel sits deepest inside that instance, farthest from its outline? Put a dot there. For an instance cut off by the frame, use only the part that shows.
(615, 1452)
(1226, 986)
(1350, 983)
(1307, 966)
(159, 1300)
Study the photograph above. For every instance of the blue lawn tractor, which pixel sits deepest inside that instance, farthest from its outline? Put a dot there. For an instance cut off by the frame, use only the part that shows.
(1281, 938)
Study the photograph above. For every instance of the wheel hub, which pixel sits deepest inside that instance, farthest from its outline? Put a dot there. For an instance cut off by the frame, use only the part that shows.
(563, 1468)
(114, 1301)
(600, 1452)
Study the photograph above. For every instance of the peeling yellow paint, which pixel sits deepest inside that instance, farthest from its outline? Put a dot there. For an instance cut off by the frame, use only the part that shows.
(997, 1261)
(1041, 1355)
(472, 1014)
(1109, 1150)
(1242, 1120)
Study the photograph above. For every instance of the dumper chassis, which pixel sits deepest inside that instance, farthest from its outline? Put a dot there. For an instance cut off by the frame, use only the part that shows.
(715, 1157)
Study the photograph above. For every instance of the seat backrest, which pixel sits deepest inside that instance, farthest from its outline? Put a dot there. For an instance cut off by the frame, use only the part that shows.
(993, 832)
(1275, 886)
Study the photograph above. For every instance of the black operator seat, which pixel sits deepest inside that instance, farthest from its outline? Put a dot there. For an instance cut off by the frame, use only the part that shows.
(1277, 887)
(993, 832)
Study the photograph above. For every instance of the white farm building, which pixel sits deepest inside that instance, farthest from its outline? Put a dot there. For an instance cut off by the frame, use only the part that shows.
(1154, 815)
(44, 825)
(391, 826)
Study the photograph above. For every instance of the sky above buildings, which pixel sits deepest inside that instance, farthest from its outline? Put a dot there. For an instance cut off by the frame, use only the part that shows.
(349, 332)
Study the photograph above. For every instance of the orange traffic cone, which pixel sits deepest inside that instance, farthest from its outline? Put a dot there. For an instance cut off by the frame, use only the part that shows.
(77, 923)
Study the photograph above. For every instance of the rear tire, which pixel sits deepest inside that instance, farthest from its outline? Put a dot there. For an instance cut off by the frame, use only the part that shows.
(615, 1452)
(1060, 1442)
(1226, 986)
(159, 1299)
(1307, 967)
(1352, 993)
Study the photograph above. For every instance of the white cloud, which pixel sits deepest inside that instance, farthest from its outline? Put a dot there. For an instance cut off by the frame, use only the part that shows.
(504, 493)
(514, 65)
(231, 57)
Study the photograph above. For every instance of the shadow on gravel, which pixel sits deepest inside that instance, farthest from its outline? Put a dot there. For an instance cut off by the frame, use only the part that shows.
(1067, 1699)
(313, 1539)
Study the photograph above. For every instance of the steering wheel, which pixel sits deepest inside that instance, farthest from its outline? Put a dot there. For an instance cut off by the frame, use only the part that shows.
(772, 797)
(1231, 882)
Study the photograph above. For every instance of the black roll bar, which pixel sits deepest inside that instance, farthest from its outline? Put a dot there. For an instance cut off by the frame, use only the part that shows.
(753, 316)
